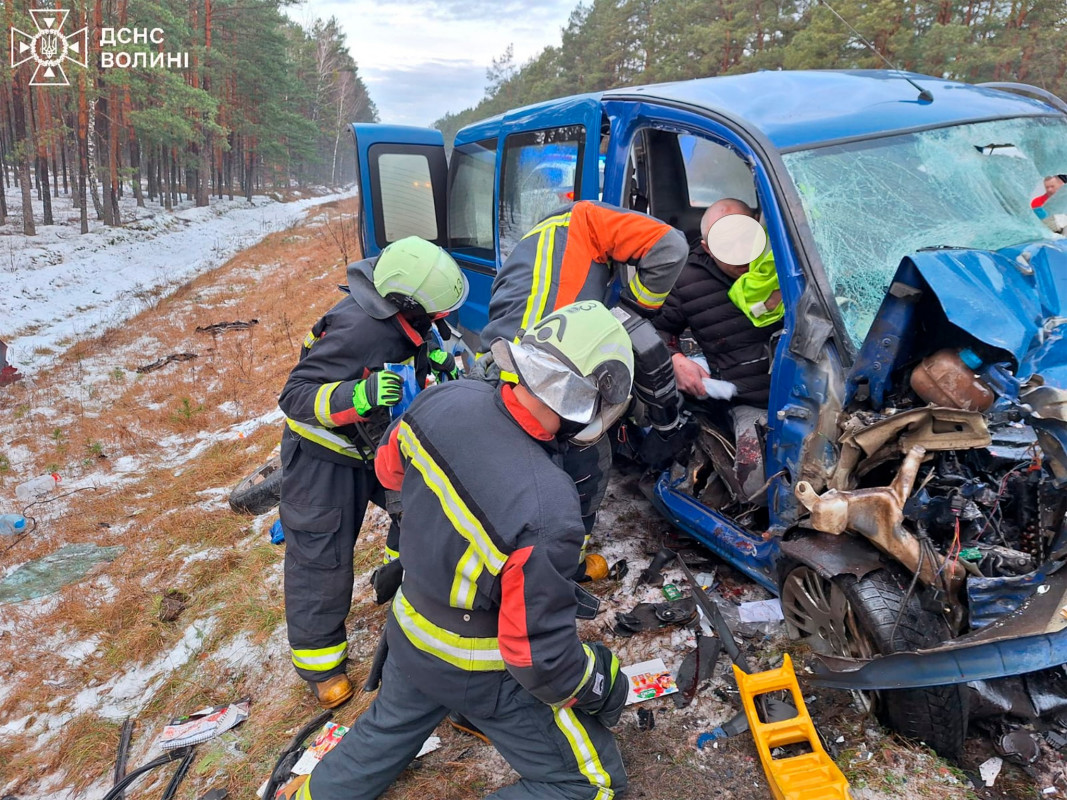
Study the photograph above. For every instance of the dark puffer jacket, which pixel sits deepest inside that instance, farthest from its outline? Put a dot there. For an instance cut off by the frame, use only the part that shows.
(737, 351)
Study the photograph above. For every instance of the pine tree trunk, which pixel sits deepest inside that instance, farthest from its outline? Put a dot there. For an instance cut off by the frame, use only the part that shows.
(38, 133)
(83, 153)
(24, 148)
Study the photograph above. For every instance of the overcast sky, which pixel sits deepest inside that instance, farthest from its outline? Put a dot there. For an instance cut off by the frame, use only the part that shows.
(423, 58)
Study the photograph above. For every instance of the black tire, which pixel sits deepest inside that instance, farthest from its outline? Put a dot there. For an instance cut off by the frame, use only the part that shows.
(936, 715)
(259, 492)
(855, 618)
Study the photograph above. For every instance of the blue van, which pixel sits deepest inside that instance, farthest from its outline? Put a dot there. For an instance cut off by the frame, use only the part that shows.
(913, 523)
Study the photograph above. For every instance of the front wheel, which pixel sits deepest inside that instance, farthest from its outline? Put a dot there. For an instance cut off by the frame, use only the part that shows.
(855, 618)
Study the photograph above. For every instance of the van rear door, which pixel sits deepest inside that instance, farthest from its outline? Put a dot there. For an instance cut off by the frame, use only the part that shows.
(402, 178)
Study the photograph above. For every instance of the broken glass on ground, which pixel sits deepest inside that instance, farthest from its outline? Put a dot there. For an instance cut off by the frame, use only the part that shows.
(49, 574)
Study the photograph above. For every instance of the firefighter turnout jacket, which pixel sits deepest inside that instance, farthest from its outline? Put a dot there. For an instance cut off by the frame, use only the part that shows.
(574, 255)
(356, 337)
(491, 536)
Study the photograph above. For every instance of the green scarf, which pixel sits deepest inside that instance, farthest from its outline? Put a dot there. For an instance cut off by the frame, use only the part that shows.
(751, 290)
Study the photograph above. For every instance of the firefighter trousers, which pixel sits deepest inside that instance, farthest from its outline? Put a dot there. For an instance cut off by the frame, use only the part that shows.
(560, 754)
(322, 508)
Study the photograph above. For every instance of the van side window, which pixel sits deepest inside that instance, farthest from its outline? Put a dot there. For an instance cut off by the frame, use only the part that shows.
(407, 200)
(470, 198)
(714, 172)
(541, 172)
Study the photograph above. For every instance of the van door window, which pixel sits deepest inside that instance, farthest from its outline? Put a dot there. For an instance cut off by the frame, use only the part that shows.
(470, 198)
(540, 173)
(407, 200)
(714, 171)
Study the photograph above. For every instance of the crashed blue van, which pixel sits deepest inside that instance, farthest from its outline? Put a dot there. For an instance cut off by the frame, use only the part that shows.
(916, 446)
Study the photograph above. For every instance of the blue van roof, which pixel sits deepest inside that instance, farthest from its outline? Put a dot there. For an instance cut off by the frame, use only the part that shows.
(804, 108)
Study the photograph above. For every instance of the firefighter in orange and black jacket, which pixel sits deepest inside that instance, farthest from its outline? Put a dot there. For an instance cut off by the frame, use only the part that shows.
(589, 251)
(336, 402)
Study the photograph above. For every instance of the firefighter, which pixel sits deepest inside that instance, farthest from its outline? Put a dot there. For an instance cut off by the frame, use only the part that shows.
(585, 251)
(336, 402)
(484, 620)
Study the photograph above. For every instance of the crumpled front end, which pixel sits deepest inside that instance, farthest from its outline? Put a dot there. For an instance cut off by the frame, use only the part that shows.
(952, 461)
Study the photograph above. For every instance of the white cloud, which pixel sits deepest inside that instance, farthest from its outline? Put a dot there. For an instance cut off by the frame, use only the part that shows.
(424, 58)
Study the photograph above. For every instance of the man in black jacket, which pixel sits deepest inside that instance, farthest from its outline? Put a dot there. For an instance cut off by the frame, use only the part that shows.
(737, 351)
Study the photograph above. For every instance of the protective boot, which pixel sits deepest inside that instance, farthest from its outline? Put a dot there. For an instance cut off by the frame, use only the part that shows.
(464, 725)
(290, 790)
(333, 691)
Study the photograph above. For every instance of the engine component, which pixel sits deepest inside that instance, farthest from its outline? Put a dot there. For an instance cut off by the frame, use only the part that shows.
(944, 380)
(932, 428)
(878, 515)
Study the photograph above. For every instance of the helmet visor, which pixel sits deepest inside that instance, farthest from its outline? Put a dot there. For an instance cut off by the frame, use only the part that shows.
(549, 380)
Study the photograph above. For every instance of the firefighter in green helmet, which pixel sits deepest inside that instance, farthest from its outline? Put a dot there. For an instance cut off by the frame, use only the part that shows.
(484, 622)
(336, 403)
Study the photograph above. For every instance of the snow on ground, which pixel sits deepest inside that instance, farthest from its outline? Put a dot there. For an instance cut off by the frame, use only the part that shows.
(60, 286)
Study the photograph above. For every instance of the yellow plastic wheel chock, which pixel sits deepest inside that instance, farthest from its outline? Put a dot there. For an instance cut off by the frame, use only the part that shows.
(809, 776)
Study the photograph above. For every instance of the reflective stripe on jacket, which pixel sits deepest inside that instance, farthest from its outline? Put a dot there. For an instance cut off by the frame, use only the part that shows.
(573, 254)
(346, 345)
(490, 538)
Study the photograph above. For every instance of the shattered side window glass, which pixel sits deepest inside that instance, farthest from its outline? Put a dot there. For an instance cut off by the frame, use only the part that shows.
(871, 203)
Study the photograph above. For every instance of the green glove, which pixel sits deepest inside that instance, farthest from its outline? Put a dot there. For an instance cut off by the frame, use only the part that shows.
(443, 363)
(383, 388)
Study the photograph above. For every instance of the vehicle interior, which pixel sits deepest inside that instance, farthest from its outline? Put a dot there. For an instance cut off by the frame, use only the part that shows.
(676, 176)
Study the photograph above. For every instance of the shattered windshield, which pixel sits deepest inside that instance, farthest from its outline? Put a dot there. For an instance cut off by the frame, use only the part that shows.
(871, 203)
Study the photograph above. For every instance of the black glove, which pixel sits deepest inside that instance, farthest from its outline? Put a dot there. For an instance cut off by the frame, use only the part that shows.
(659, 448)
(386, 580)
(604, 695)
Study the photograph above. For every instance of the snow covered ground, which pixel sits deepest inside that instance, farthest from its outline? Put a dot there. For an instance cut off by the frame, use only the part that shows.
(60, 286)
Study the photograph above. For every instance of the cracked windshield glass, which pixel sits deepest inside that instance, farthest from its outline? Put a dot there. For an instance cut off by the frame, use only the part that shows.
(871, 203)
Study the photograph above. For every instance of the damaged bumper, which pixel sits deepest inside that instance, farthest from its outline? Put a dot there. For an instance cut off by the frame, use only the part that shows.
(1032, 638)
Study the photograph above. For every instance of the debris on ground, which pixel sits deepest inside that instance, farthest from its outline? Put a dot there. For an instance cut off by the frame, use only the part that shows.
(48, 574)
(207, 723)
(162, 362)
(8, 373)
(648, 680)
(172, 604)
(220, 327)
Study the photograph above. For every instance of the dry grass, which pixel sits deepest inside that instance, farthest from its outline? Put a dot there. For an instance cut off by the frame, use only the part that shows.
(167, 511)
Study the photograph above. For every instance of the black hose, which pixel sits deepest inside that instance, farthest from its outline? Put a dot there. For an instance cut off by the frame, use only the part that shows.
(166, 758)
(923, 544)
(272, 782)
(178, 776)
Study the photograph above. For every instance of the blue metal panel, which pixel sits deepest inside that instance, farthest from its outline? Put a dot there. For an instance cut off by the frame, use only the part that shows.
(752, 555)
(474, 313)
(801, 109)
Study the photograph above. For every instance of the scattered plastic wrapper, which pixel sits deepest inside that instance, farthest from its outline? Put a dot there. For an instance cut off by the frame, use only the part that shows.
(649, 679)
(327, 740)
(990, 769)
(761, 611)
(207, 723)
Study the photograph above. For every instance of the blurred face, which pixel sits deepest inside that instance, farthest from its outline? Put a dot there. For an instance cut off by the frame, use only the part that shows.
(1052, 185)
(716, 212)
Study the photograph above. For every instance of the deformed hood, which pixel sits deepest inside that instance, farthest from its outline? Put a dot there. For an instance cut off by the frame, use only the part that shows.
(1013, 299)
